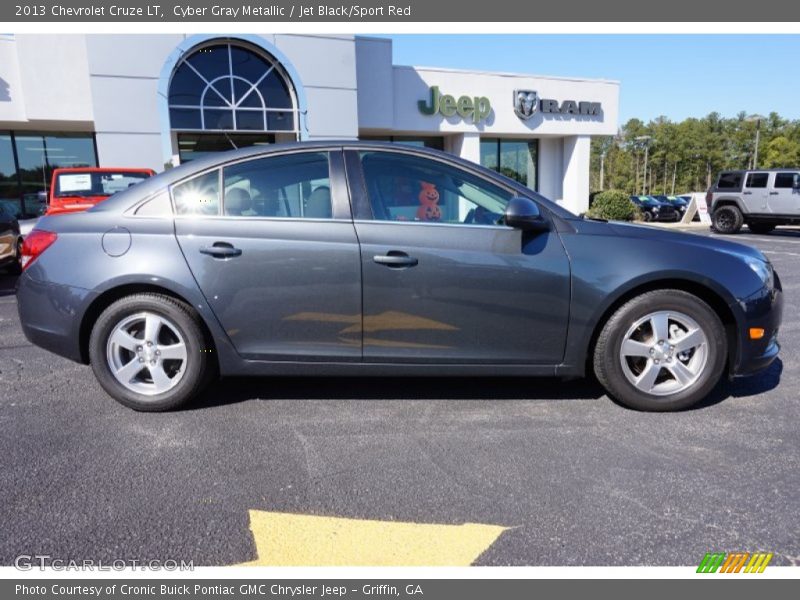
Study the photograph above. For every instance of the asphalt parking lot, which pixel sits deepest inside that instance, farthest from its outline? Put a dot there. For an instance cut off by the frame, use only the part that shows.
(571, 477)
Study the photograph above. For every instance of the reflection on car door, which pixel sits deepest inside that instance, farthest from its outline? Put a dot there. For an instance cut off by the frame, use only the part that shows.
(276, 255)
(443, 283)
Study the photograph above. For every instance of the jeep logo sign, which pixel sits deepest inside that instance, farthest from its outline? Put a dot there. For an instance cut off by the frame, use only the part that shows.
(475, 108)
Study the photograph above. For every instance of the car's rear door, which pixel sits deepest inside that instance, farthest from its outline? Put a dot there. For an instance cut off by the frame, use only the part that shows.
(784, 198)
(276, 254)
(443, 282)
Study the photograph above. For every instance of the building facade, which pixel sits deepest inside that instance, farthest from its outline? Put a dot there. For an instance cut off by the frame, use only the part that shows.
(159, 100)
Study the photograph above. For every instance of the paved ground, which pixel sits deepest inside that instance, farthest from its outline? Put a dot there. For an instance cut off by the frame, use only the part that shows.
(576, 479)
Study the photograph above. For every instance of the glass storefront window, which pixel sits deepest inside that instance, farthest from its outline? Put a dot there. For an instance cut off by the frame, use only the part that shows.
(437, 143)
(27, 161)
(9, 184)
(196, 145)
(516, 159)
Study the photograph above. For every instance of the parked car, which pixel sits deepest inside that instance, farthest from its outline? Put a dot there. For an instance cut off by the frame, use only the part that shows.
(655, 210)
(678, 203)
(366, 258)
(761, 199)
(77, 189)
(10, 241)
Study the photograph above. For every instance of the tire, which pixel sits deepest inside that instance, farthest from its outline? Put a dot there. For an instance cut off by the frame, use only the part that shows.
(646, 216)
(727, 219)
(761, 228)
(188, 369)
(701, 367)
(15, 268)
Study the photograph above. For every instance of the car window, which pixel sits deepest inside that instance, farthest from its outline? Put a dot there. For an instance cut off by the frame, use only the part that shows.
(198, 196)
(729, 181)
(785, 180)
(402, 187)
(757, 180)
(294, 186)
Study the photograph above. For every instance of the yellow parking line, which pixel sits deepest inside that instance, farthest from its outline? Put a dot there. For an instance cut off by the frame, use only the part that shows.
(284, 539)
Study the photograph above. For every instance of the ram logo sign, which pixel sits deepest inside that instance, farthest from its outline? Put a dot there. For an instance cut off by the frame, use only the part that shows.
(734, 562)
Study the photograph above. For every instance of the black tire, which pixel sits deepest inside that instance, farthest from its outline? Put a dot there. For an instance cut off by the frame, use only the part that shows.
(15, 268)
(761, 228)
(199, 368)
(727, 219)
(647, 217)
(607, 351)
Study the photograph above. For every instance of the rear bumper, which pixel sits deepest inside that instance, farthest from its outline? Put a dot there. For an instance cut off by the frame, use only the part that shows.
(763, 310)
(51, 314)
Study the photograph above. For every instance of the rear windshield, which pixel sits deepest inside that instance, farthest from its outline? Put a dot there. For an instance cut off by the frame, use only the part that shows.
(96, 184)
(729, 181)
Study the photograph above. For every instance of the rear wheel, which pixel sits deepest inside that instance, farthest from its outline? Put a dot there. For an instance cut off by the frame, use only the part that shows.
(761, 228)
(148, 352)
(663, 350)
(727, 219)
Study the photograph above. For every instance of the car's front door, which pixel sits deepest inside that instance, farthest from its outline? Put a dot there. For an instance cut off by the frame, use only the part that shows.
(784, 197)
(755, 192)
(443, 281)
(276, 255)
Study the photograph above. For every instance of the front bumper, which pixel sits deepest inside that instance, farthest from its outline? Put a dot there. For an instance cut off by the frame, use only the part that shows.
(51, 314)
(763, 309)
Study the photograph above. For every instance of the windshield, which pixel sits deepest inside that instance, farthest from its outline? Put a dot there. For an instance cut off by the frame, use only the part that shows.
(93, 183)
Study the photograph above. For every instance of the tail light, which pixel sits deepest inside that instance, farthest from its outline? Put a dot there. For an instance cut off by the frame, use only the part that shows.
(36, 242)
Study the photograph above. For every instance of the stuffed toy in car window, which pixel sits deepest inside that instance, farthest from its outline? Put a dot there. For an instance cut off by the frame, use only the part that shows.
(428, 203)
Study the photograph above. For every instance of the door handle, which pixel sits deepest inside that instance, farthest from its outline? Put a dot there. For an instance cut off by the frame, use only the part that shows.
(396, 260)
(748, 193)
(773, 193)
(221, 250)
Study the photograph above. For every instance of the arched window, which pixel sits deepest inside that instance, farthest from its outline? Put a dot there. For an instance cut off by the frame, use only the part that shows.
(231, 87)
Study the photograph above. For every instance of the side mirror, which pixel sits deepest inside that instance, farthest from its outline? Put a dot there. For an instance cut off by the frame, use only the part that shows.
(523, 213)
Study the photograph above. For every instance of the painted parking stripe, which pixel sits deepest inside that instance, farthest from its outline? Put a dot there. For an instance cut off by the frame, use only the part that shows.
(284, 539)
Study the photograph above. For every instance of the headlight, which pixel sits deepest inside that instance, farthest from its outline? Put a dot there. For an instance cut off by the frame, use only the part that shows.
(654, 209)
(763, 270)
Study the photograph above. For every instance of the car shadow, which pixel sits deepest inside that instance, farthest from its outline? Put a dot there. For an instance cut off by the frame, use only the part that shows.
(233, 390)
(8, 284)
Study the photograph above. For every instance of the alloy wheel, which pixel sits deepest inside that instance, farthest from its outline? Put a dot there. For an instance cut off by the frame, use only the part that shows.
(664, 353)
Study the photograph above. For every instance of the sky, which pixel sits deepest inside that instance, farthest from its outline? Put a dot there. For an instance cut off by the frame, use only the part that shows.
(677, 76)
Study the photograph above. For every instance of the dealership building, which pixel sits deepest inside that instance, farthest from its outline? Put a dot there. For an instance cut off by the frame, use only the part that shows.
(159, 100)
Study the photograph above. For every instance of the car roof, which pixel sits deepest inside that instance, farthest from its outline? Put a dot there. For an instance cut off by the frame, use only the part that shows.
(122, 200)
(760, 170)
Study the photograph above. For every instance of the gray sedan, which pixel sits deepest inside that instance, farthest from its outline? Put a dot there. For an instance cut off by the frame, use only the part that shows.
(372, 259)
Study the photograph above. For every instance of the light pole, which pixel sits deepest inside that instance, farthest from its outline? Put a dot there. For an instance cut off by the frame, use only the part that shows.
(602, 168)
(646, 139)
(757, 119)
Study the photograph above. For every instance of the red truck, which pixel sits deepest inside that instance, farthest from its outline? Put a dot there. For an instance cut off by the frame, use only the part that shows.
(80, 188)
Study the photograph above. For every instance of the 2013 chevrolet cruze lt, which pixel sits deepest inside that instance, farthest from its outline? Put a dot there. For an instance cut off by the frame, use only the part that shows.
(366, 258)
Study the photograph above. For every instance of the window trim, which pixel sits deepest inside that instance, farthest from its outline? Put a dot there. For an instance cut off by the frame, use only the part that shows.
(751, 174)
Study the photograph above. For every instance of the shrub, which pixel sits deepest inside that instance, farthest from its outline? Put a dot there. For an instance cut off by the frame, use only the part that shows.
(613, 205)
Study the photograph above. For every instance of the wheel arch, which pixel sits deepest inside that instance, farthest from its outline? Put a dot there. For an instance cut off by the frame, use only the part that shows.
(709, 295)
(730, 201)
(111, 295)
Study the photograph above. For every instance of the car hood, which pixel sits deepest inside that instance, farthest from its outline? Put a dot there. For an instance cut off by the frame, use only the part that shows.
(631, 230)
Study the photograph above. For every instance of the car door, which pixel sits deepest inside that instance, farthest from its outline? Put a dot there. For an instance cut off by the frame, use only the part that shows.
(755, 192)
(443, 282)
(784, 197)
(271, 243)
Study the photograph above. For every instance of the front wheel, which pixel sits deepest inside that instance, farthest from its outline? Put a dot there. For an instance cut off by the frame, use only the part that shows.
(727, 219)
(149, 353)
(663, 350)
